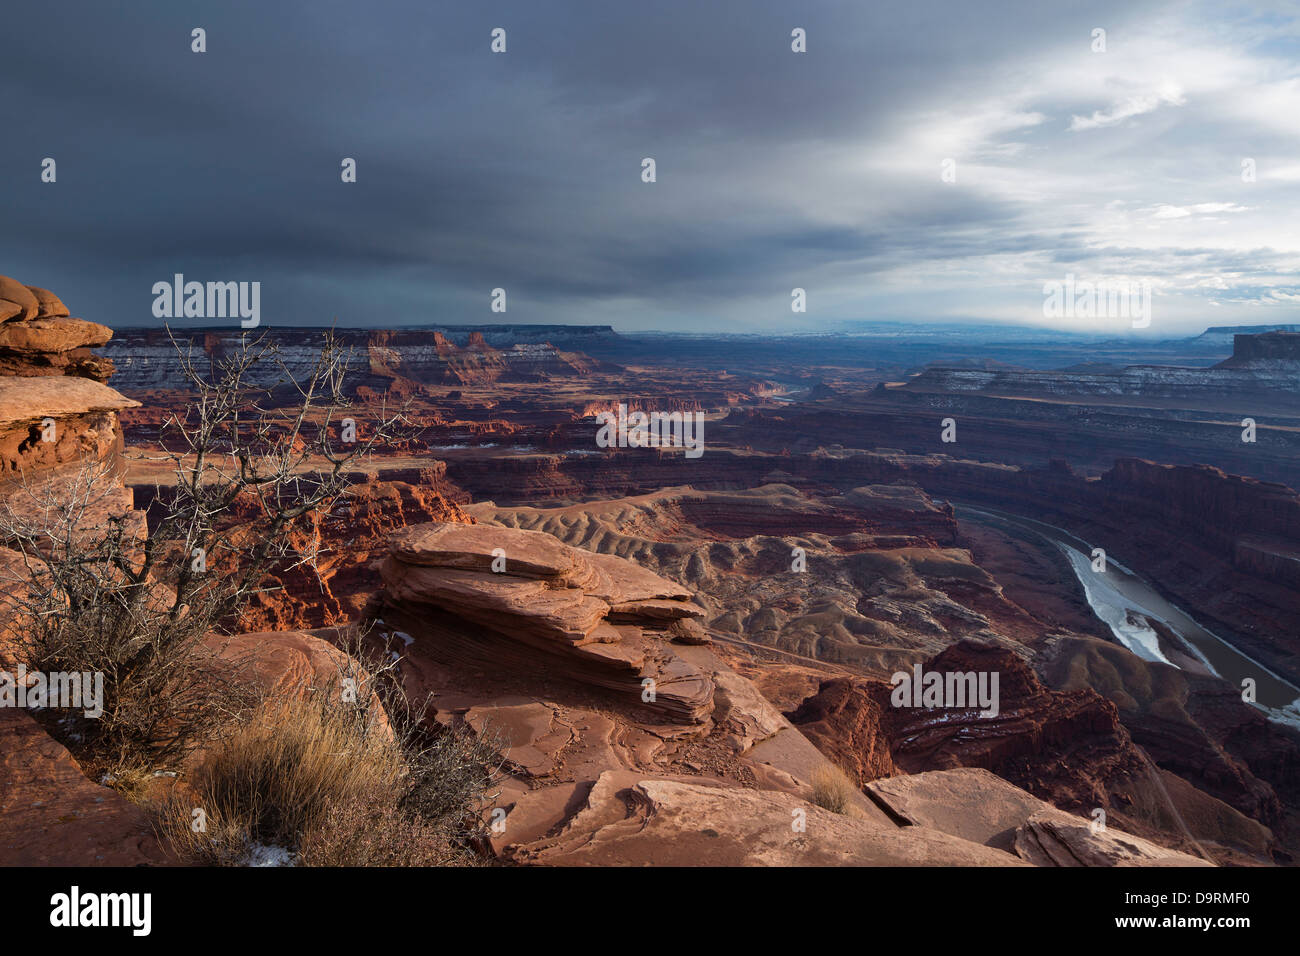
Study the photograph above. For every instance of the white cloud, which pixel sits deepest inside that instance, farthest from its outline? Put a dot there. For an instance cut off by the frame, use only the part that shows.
(1166, 211)
(1169, 94)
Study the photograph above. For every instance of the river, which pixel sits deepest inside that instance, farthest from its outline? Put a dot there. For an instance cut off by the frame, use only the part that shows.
(1121, 599)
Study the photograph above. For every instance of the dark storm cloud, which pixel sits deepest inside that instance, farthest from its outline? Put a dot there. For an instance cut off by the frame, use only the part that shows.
(523, 170)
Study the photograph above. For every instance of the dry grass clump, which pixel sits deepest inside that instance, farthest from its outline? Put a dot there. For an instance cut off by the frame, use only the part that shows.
(332, 785)
(832, 789)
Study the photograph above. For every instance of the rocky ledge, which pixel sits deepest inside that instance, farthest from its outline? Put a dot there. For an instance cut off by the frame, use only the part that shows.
(38, 336)
(542, 649)
(56, 415)
(523, 599)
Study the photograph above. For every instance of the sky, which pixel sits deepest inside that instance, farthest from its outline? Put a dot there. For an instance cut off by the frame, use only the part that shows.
(918, 162)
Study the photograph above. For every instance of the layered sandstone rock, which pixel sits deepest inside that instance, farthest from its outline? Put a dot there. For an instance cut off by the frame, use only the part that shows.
(1068, 748)
(523, 600)
(38, 336)
(977, 806)
(60, 435)
(55, 413)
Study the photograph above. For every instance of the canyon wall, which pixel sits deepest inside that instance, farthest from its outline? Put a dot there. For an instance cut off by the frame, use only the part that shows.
(1279, 347)
(1224, 546)
(1260, 362)
(146, 359)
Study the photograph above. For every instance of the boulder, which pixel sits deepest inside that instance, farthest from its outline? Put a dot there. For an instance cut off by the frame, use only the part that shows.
(16, 300)
(1047, 840)
(285, 663)
(49, 304)
(39, 338)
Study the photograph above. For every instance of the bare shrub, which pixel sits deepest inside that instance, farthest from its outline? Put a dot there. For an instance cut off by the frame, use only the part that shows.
(97, 589)
(248, 478)
(377, 833)
(74, 603)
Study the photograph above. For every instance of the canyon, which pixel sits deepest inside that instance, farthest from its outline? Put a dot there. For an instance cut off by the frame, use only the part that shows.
(673, 650)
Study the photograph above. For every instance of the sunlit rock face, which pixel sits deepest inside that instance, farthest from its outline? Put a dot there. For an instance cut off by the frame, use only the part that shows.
(38, 336)
(524, 598)
(59, 423)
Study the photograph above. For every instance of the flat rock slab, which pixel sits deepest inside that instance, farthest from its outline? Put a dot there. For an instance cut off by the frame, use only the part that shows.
(531, 734)
(533, 814)
(29, 400)
(529, 554)
(52, 335)
(51, 814)
(983, 808)
(656, 610)
(672, 822)
(967, 802)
